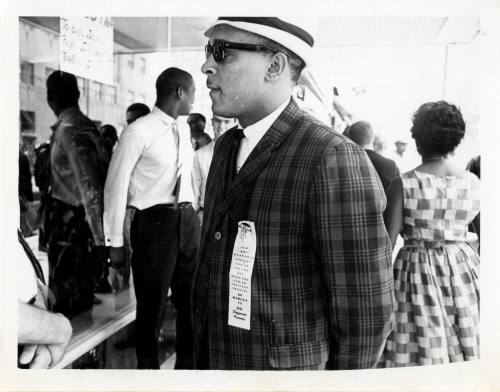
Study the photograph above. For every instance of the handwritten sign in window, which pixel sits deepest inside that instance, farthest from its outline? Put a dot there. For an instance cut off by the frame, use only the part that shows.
(86, 47)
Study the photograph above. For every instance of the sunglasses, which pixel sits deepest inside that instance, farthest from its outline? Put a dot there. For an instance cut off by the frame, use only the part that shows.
(218, 49)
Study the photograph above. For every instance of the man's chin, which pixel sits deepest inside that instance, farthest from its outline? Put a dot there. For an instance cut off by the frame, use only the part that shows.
(217, 110)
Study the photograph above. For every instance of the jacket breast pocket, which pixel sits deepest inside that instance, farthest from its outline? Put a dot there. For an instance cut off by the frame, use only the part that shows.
(298, 355)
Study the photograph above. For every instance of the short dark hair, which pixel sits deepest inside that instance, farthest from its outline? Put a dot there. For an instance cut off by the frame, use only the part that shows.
(295, 62)
(361, 133)
(141, 108)
(170, 80)
(346, 130)
(62, 88)
(438, 128)
(195, 117)
(135, 111)
(108, 131)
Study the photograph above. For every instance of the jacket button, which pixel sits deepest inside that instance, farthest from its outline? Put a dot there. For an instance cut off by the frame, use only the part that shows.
(218, 235)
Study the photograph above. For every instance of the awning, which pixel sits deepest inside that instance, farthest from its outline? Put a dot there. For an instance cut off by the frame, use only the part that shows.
(170, 34)
(159, 34)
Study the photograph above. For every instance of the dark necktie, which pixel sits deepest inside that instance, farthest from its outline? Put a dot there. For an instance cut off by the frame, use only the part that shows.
(237, 135)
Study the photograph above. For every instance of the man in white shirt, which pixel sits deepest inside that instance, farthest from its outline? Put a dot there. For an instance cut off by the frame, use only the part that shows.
(134, 111)
(151, 171)
(405, 159)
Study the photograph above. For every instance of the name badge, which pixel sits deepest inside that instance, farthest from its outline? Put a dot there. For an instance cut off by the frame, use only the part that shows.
(240, 276)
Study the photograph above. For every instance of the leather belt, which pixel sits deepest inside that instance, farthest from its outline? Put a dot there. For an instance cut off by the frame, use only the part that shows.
(179, 206)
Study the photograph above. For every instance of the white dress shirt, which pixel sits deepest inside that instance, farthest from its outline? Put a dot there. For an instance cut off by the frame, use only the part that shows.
(186, 192)
(143, 170)
(201, 167)
(255, 132)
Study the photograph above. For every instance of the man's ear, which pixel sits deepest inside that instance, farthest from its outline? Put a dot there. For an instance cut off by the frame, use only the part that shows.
(180, 92)
(277, 66)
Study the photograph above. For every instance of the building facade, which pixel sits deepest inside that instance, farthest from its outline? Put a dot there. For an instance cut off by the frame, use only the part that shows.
(104, 104)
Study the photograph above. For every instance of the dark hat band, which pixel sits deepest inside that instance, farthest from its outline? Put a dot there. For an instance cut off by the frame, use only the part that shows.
(274, 23)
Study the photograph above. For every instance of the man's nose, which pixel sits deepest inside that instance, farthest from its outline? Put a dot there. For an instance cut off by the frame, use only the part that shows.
(209, 66)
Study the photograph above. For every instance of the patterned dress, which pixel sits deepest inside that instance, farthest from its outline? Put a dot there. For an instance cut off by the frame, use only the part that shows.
(436, 273)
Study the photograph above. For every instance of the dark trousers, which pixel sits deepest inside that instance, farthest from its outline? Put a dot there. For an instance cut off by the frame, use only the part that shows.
(182, 283)
(72, 260)
(203, 359)
(161, 258)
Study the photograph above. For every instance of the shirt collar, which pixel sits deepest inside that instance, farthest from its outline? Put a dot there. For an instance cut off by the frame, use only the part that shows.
(257, 130)
(163, 116)
(68, 112)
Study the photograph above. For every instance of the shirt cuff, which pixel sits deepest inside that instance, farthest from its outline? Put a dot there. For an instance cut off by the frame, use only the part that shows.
(116, 241)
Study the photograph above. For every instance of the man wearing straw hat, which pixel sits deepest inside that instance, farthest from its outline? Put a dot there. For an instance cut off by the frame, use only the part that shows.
(295, 267)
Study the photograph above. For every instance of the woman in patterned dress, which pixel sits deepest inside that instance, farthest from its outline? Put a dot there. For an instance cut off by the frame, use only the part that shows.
(436, 272)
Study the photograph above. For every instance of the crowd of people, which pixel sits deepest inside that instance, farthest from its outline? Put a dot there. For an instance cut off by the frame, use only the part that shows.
(275, 238)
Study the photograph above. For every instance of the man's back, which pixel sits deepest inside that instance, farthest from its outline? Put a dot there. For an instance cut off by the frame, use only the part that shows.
(386, 168)
(145, 162)
(79, 163)
(76, 141)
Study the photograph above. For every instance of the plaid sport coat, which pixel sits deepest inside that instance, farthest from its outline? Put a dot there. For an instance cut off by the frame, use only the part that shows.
(322, 286)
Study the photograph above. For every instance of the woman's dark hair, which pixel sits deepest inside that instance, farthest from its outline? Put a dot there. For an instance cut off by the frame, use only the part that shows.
(438, 128)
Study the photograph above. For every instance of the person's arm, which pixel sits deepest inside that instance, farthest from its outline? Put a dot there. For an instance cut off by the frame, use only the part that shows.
(127, 153)
(39, 327)
(347, 203)
(393, 214)
(395, 171)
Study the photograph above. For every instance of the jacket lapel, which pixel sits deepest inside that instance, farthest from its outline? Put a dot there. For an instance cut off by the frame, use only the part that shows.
(215, 183)
(285, 124)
